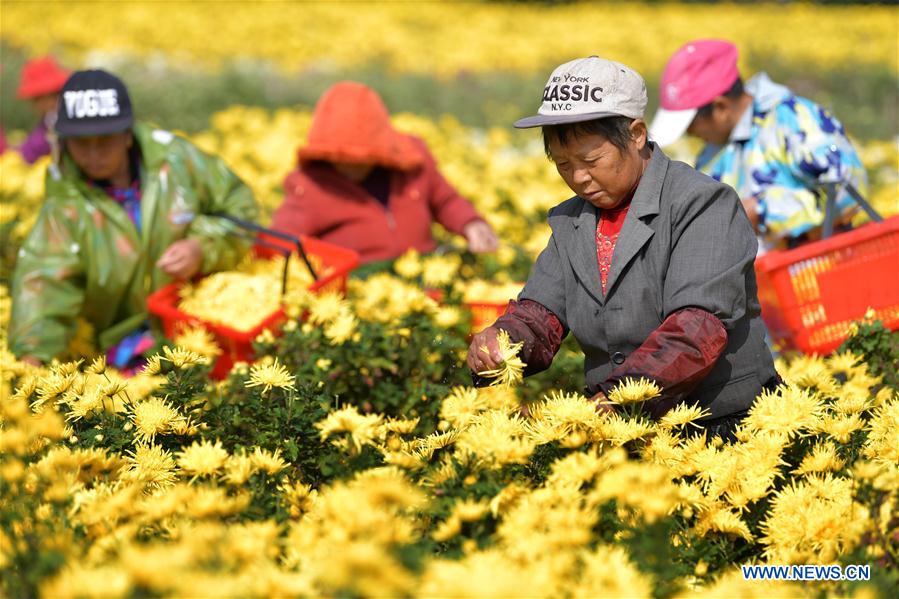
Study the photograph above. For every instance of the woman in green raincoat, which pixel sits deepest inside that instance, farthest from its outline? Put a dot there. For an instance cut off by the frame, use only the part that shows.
(128, 209)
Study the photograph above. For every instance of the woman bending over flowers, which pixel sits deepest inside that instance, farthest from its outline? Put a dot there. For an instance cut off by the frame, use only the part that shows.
(363, 185)
(650, 264)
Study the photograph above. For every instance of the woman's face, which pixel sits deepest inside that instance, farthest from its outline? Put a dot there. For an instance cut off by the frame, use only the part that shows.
(597, 170)
(101, 157)
(355, 172)
(716, 127)
(44, 104)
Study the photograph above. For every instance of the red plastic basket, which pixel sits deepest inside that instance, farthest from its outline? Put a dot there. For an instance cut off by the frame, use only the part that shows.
(237, 345)
(811, 294)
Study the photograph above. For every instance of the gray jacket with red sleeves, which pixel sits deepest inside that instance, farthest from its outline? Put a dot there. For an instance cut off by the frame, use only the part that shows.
(686, 242)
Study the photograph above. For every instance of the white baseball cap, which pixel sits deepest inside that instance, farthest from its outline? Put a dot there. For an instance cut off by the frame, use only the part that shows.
(589, 88)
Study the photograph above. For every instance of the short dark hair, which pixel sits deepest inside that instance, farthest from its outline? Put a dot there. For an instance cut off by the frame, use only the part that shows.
(735, 91)
(616, 129)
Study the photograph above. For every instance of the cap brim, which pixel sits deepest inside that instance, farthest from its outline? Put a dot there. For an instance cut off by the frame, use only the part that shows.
(542, 120)
(668, 126)
(104, 127)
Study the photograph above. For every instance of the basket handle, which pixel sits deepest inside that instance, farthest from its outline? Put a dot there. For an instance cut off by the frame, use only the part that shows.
(285, 253)
(251, 226)
(830, 208)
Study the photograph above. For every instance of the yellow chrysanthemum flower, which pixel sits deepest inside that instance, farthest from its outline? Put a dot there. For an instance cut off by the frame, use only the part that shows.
(883, 434)
(634, 390)
(840, 428)
(462, 405)
(645, 488)
(576, 469)
(481, 291)
(466, 510)
(363, 429)
(408, 265)
(341, 329)
(620, 430)
(401, 426)
(845, 363)
(852, 400)
(153, 366)
(496, 438)
(238, 469)
(52, 386)
(182, 358)
(301, 497)
(212, 502)
(682, 415)
(822, 458)
(447, 529)
(199, 340)
(270, 375)
(113, 387)
(813, 520)
(721, 519)
(153, 416)
(511, 369)
(562, 417)
(268, 461)
(786, 410)
(26, 389)
(811, 372)
(326, 307)
(439, 271)
(98, 366)
(447, 317)
(83, 404)
(202, 459)
(151, 465)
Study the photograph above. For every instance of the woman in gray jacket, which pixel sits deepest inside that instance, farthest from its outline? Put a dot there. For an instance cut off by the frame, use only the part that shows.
(650, 264)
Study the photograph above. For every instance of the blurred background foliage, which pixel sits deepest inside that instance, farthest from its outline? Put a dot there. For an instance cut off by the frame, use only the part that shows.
(183, 62)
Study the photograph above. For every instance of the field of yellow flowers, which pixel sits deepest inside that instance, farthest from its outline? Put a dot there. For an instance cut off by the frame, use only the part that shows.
(263, 484)
(472, 60)
(445, 39)
(503, 172)
(353, 458)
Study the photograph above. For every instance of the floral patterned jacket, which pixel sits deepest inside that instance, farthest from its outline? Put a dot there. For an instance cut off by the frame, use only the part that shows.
(782, 152)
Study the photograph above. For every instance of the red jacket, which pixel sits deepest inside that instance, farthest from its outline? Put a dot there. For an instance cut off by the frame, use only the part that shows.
(351, 124)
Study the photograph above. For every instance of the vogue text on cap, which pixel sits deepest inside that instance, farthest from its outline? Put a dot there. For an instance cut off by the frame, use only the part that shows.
(90, 103)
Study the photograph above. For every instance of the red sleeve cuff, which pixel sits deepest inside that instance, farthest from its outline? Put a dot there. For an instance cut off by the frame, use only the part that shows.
(540, 331)
(677, 356)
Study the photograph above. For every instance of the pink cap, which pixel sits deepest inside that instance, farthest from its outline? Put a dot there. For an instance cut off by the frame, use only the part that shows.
(698, 72)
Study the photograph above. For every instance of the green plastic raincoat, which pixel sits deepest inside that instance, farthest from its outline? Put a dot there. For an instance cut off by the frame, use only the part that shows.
(85, 257)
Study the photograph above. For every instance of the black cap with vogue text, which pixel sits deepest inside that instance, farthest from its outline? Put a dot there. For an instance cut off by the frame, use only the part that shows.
(93, 103)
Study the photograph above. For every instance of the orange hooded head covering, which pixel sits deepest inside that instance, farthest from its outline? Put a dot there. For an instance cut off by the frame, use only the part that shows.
(351, 124)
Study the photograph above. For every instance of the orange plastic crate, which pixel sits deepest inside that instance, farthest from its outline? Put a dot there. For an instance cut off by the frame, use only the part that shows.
(811, 294)
(237, 346)
(483, 314)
